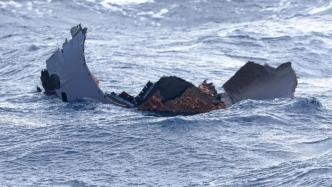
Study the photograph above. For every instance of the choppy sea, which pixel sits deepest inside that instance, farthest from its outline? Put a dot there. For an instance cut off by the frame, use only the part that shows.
(282, 142)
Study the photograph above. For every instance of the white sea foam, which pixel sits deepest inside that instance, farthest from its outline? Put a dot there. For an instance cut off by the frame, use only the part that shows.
(108, 3)
(320, 9)
(11, 4)
(283, 4)
(159, 14)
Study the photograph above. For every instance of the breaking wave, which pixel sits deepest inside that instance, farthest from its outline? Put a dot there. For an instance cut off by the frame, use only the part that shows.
(321, 9)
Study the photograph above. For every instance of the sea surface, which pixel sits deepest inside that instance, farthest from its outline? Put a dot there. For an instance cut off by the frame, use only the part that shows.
(281, 142)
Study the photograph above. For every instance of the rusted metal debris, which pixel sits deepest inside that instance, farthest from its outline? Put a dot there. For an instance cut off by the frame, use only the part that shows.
(68, 77)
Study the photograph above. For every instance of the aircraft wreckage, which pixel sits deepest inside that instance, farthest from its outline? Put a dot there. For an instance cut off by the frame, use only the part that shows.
(68, 77)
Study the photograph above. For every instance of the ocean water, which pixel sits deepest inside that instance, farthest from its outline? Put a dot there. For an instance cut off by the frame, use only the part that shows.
(281, 142)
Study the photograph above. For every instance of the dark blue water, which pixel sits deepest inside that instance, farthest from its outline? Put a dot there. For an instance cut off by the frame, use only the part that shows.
(283, 142)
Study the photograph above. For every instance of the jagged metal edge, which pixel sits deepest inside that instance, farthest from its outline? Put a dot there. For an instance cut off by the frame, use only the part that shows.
(69, 64)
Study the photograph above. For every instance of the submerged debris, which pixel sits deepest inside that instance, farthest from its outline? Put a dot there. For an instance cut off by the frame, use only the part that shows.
(254, 81)
(67, 76)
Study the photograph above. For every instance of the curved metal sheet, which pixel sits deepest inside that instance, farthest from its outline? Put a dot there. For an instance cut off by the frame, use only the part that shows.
(76, 81)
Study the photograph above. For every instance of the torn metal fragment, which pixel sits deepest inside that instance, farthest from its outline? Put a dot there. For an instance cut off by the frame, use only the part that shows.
(258, 82)
(67, 76)
(73, 78)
